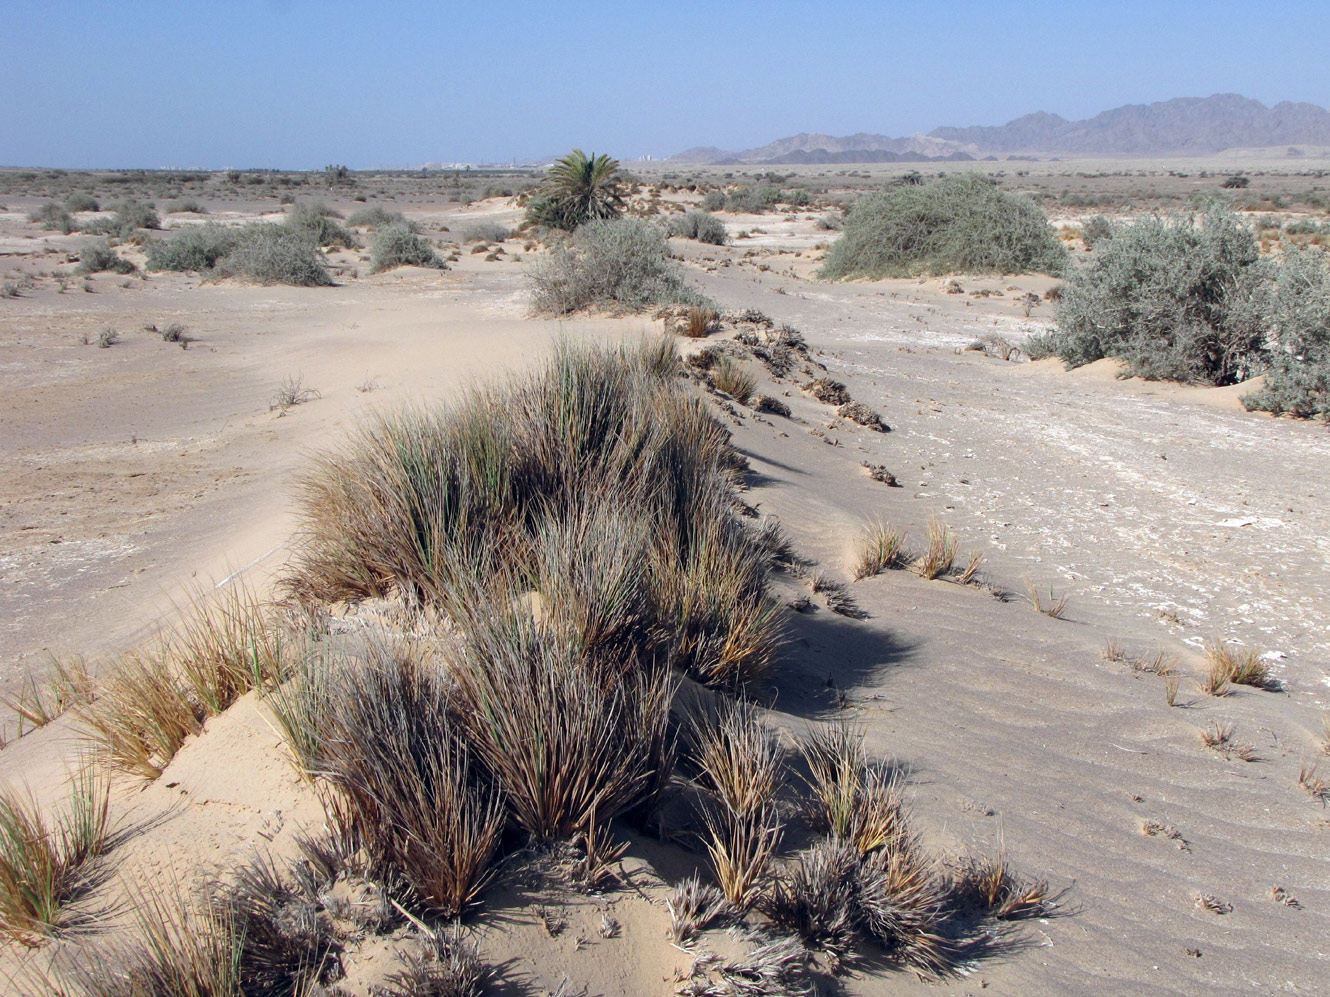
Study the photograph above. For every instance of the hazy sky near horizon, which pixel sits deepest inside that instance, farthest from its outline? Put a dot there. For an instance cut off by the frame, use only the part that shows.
(302, 83)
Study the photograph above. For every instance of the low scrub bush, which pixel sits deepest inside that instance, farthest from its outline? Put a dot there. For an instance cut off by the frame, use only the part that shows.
(375, 217)
(713, 200)
(274, 254)
(317, 222)
(960, 224)
(1095, 230)
(397, 245)
(620, 265)
(186, 206)
(699, 225)
(1173, 298)
(53, 218)
(98, 256)
(193, 248)
(81, 201)
(485, 232)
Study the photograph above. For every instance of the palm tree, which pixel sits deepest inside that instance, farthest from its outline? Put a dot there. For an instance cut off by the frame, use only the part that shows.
(577, 189)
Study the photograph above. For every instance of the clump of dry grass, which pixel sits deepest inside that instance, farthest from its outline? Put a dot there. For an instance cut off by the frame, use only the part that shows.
(417, 494)
(989, 885)
(698, 321)
(970, 572)
(694, 907)
(740, 771)
(68, 684)
(1055, 607)
(733, 380)
(151, 701)
(854, 801)
(1229, 663)
(860, 413)
(383, 730)
(827, 391)
(880, 547)
(1312, 784)
(1219, 737)
(940, 548)
(442, 963)
(45, 865)
(1170, 689)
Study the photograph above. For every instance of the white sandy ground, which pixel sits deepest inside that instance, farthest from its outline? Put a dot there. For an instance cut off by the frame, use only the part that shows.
(131, 473)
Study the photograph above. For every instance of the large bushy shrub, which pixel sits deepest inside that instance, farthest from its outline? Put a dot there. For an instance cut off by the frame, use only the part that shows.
(81, 201)
(260, 252)
(194, 247)
(960, 224)
(1298, 378)
(699, 225)
(485, 232)
(397, 246)
(97, 256)
(274, 254)
(53, 218)
(1180, 299)
(318, 222)
(374, 217)
(619, 264)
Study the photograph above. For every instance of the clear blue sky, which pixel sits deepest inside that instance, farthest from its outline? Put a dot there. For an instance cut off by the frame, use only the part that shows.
(302, 83)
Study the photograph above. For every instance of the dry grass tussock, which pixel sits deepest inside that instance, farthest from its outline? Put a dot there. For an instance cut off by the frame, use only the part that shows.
(1231, 664)
(45, 863)
(740, 770)
(939, 553)
(151, 701)
(1219, 737)
(1055, 606)
(438, 506)
(880, 547)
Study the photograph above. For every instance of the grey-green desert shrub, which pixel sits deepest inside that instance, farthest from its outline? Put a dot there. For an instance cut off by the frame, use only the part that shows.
(960, 224)
(195, 247)
(398, 246)
(375, 217)
(713, 200)
(186, 206)
(81, 201)
(274, 254)
(1095, 229)
(485, 232)
(53, 218)
(97, 256)
(700, 225)
(1174, 298)
(131, 214)
(314, 219)
(617, 264)
(1297, 381)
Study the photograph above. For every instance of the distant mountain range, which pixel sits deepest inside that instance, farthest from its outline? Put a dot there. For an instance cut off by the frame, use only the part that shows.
(1185, 126)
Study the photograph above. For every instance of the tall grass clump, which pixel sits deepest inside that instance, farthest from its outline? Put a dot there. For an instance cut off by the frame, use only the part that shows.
(700, 225)
(44, 864)
(396, 245)
(390, 740)
(602, 445)
(620, 265)
(153, 700)
(960, 224)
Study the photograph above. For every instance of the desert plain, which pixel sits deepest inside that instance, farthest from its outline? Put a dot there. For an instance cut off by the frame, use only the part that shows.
(140, 476)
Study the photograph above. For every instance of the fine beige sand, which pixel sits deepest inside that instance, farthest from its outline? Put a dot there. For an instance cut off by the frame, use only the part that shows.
(135, 475)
